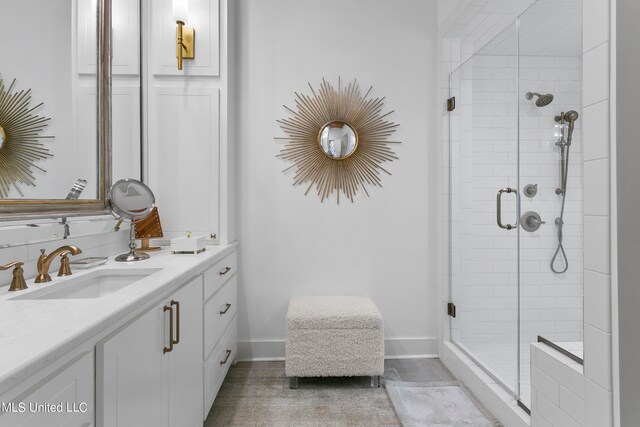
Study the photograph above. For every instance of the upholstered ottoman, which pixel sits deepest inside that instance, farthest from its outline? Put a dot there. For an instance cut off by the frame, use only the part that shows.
(339, 336)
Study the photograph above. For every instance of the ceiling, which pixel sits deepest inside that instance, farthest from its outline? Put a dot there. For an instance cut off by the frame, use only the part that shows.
(547, 27)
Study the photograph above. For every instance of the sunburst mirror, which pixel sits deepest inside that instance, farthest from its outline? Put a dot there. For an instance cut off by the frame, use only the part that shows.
(20, 145)
(338, 140)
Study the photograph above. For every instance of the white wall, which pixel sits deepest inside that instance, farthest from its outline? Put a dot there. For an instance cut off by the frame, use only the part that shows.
(188, 115)
(384, 246)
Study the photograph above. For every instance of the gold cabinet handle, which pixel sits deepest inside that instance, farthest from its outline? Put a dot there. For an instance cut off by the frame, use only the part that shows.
(222, 362)
(170, 310)
(225, 271)
(227, 306)
(177, 305)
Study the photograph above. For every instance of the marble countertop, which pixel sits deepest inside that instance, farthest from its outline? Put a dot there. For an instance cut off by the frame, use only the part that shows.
(36, 332)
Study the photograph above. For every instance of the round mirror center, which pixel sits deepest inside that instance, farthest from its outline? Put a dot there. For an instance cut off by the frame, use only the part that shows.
(338, 140)
(3, 136)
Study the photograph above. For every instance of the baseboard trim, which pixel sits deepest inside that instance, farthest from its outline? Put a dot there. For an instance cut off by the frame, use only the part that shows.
(395, 348)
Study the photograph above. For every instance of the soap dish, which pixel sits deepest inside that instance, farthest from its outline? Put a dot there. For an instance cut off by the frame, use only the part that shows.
(89, 262)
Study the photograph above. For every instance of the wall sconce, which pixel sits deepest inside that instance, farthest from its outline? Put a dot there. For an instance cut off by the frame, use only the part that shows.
(185, 36)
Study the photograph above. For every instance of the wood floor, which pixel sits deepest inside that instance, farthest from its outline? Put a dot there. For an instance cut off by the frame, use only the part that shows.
(258, 394)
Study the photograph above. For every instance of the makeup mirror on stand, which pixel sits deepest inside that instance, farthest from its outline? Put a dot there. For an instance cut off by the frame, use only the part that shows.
(131, 200)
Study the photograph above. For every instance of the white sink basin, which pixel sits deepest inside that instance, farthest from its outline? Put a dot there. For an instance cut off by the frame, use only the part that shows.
(92, 285)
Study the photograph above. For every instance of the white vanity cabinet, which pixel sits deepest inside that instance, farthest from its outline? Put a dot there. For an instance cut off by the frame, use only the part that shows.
(150, 372)
(65, 399)
(155, 356)
(219, 299)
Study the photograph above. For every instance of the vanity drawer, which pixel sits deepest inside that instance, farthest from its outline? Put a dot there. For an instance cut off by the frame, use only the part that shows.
(217, 366)
(217, 275)
(217, 314)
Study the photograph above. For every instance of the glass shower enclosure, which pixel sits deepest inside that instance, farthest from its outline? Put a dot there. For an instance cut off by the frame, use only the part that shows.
(515, 206)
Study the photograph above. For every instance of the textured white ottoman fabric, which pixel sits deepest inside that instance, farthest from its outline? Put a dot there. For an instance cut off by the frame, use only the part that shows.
(334, 337)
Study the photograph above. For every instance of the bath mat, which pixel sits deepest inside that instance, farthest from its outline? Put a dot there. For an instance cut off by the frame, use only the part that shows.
(435, 405)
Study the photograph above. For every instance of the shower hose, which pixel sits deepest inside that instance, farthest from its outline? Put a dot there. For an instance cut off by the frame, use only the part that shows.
(560, 249)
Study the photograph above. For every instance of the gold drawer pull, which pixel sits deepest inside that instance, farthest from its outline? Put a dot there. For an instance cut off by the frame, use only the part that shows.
(177, 305)
(227, 306)
(222, 362)
(170, 310)
(225, 271)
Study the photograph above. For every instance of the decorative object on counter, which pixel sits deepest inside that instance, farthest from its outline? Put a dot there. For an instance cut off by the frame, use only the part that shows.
(188, 245)
(44, 262)
(132, 201)
(148, 228)
(338, 140)
(17, 283)
(185, 36)
(89, 262)
(20, 132)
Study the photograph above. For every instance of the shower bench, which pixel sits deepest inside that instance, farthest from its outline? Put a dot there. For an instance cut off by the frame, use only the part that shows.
(334, 336)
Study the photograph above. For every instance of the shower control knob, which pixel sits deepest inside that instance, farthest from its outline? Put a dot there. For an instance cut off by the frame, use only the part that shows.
(530, 190)
(531, 221)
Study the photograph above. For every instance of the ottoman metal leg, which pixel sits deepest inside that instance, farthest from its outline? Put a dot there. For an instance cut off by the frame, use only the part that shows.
(375, 381)
(293, 382)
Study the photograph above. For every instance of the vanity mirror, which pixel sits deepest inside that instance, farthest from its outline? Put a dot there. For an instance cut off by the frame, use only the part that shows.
(131, 200)
(80, 58)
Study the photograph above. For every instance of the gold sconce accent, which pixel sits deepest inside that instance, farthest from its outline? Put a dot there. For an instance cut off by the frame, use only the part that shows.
(185, 36)
(338, 140)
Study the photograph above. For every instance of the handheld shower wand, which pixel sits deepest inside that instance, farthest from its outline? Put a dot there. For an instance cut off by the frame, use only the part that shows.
(569, 117)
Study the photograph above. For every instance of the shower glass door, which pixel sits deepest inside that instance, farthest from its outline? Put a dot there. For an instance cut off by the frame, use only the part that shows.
(550, 86)
(484, 180)
(516, 204)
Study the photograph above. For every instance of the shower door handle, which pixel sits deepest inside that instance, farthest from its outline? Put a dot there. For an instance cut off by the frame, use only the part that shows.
(499, 208)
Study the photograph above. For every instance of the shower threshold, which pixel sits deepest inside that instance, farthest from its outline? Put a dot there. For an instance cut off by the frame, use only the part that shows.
(490, 389)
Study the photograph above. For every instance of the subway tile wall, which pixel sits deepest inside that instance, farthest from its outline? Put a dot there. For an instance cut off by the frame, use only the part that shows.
(485, 136)
(558, 389)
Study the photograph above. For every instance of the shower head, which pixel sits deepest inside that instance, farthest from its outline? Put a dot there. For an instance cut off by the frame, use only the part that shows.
(542, 101)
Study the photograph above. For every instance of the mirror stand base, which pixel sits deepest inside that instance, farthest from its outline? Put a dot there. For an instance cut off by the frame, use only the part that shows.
(132, 256)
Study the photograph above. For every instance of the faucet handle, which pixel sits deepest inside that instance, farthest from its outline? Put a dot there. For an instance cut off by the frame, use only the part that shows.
(17, 283)
(65, 268)
(16, 264)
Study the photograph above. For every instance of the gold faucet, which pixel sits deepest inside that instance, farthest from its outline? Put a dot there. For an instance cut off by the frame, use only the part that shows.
(17, 283)
(44, 261)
